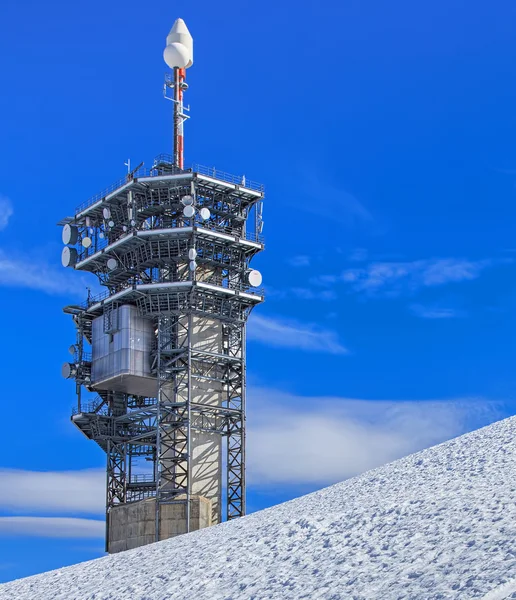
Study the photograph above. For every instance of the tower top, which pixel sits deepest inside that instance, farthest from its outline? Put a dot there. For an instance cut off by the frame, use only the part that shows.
(178, 52)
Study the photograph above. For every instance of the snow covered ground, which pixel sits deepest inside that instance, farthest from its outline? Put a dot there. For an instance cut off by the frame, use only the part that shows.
(440, 524)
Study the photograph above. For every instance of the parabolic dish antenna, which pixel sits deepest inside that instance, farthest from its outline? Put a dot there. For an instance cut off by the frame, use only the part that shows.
(86, 242)
(189, 211)
(68, 370)
(254, 278)
(106, 213)
(69, 257)
(70, 234)
(205, 213)
(112, 264)
(111, 223)
(101, 235)
(187, 200)
(193, 265)
(72, 349)
(192, 254)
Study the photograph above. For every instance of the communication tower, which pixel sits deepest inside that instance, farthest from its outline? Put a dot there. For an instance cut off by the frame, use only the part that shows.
(159, 359)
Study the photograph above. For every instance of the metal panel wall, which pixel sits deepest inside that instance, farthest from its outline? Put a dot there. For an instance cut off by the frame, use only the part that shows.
(125, 351)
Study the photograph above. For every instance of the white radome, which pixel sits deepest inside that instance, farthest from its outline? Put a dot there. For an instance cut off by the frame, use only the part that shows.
(112, 264)
(193, 265)
(205, 213)
(68, 257)
(192, 254)
(176, 55)
(86, 242)
(254, 278)
(179, 34)
(189, 211)
(69, 234)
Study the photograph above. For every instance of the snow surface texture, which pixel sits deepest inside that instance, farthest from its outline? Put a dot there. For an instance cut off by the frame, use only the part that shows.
(438, 524)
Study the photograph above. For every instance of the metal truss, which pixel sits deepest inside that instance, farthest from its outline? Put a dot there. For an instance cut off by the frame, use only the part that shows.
(151, 238)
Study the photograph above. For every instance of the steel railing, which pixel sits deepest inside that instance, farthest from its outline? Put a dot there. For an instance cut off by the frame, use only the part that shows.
(95, 406)
(165, 167)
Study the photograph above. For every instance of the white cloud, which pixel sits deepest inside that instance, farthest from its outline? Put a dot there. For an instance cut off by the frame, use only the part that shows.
(6, 211)
(289, 334)
(435, 312)
(66, 492)
(395, 278)
(299, 261)
(321, 440)
(53, 527)
(36, 275)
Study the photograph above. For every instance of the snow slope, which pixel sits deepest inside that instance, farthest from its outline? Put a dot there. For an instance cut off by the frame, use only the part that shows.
(440, 524)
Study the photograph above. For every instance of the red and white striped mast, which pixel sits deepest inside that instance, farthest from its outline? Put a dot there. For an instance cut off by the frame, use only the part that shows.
(178, 55)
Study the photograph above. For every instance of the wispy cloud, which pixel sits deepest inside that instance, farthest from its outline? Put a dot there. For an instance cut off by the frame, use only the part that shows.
(435, 312)
(81, 491)
(299, 261)
(6, 211)
(283, 333)
(395, 278)
(331, 201)
(347, 436)
(358, 255)
(24, 272)
(54, 527)
(310, 294)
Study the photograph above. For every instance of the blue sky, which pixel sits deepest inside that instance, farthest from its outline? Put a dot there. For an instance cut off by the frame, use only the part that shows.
(385, 133)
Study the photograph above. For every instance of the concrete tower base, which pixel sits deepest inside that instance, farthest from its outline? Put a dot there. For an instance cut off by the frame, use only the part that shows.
(133, 525)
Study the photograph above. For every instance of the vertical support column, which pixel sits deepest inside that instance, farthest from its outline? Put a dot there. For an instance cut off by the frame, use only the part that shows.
(236, 422)
(173, 416)
(179, 79)
(116, 483)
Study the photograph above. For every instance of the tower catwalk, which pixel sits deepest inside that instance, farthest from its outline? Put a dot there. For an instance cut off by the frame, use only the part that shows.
(159, 359)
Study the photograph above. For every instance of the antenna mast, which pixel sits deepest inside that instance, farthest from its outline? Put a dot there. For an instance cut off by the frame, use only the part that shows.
(178, 55)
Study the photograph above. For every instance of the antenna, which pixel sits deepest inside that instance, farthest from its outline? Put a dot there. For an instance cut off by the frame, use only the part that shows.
(178, 55)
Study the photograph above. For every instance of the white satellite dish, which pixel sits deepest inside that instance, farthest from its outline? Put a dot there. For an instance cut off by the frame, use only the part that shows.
(111, 223)
(101, 235)
(112, 264)
(68, 370)
(205, 213)
(133, 223)
(124, 227)
(69, 257)
(189, 211)
(254, 278)
(70, 233)
(72, 349)
(106, 212)
(187, 200)
(192, 265)
(192, 254)
(86, 242)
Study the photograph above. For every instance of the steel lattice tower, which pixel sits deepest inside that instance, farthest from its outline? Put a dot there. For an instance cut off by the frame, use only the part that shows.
(162, 350)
